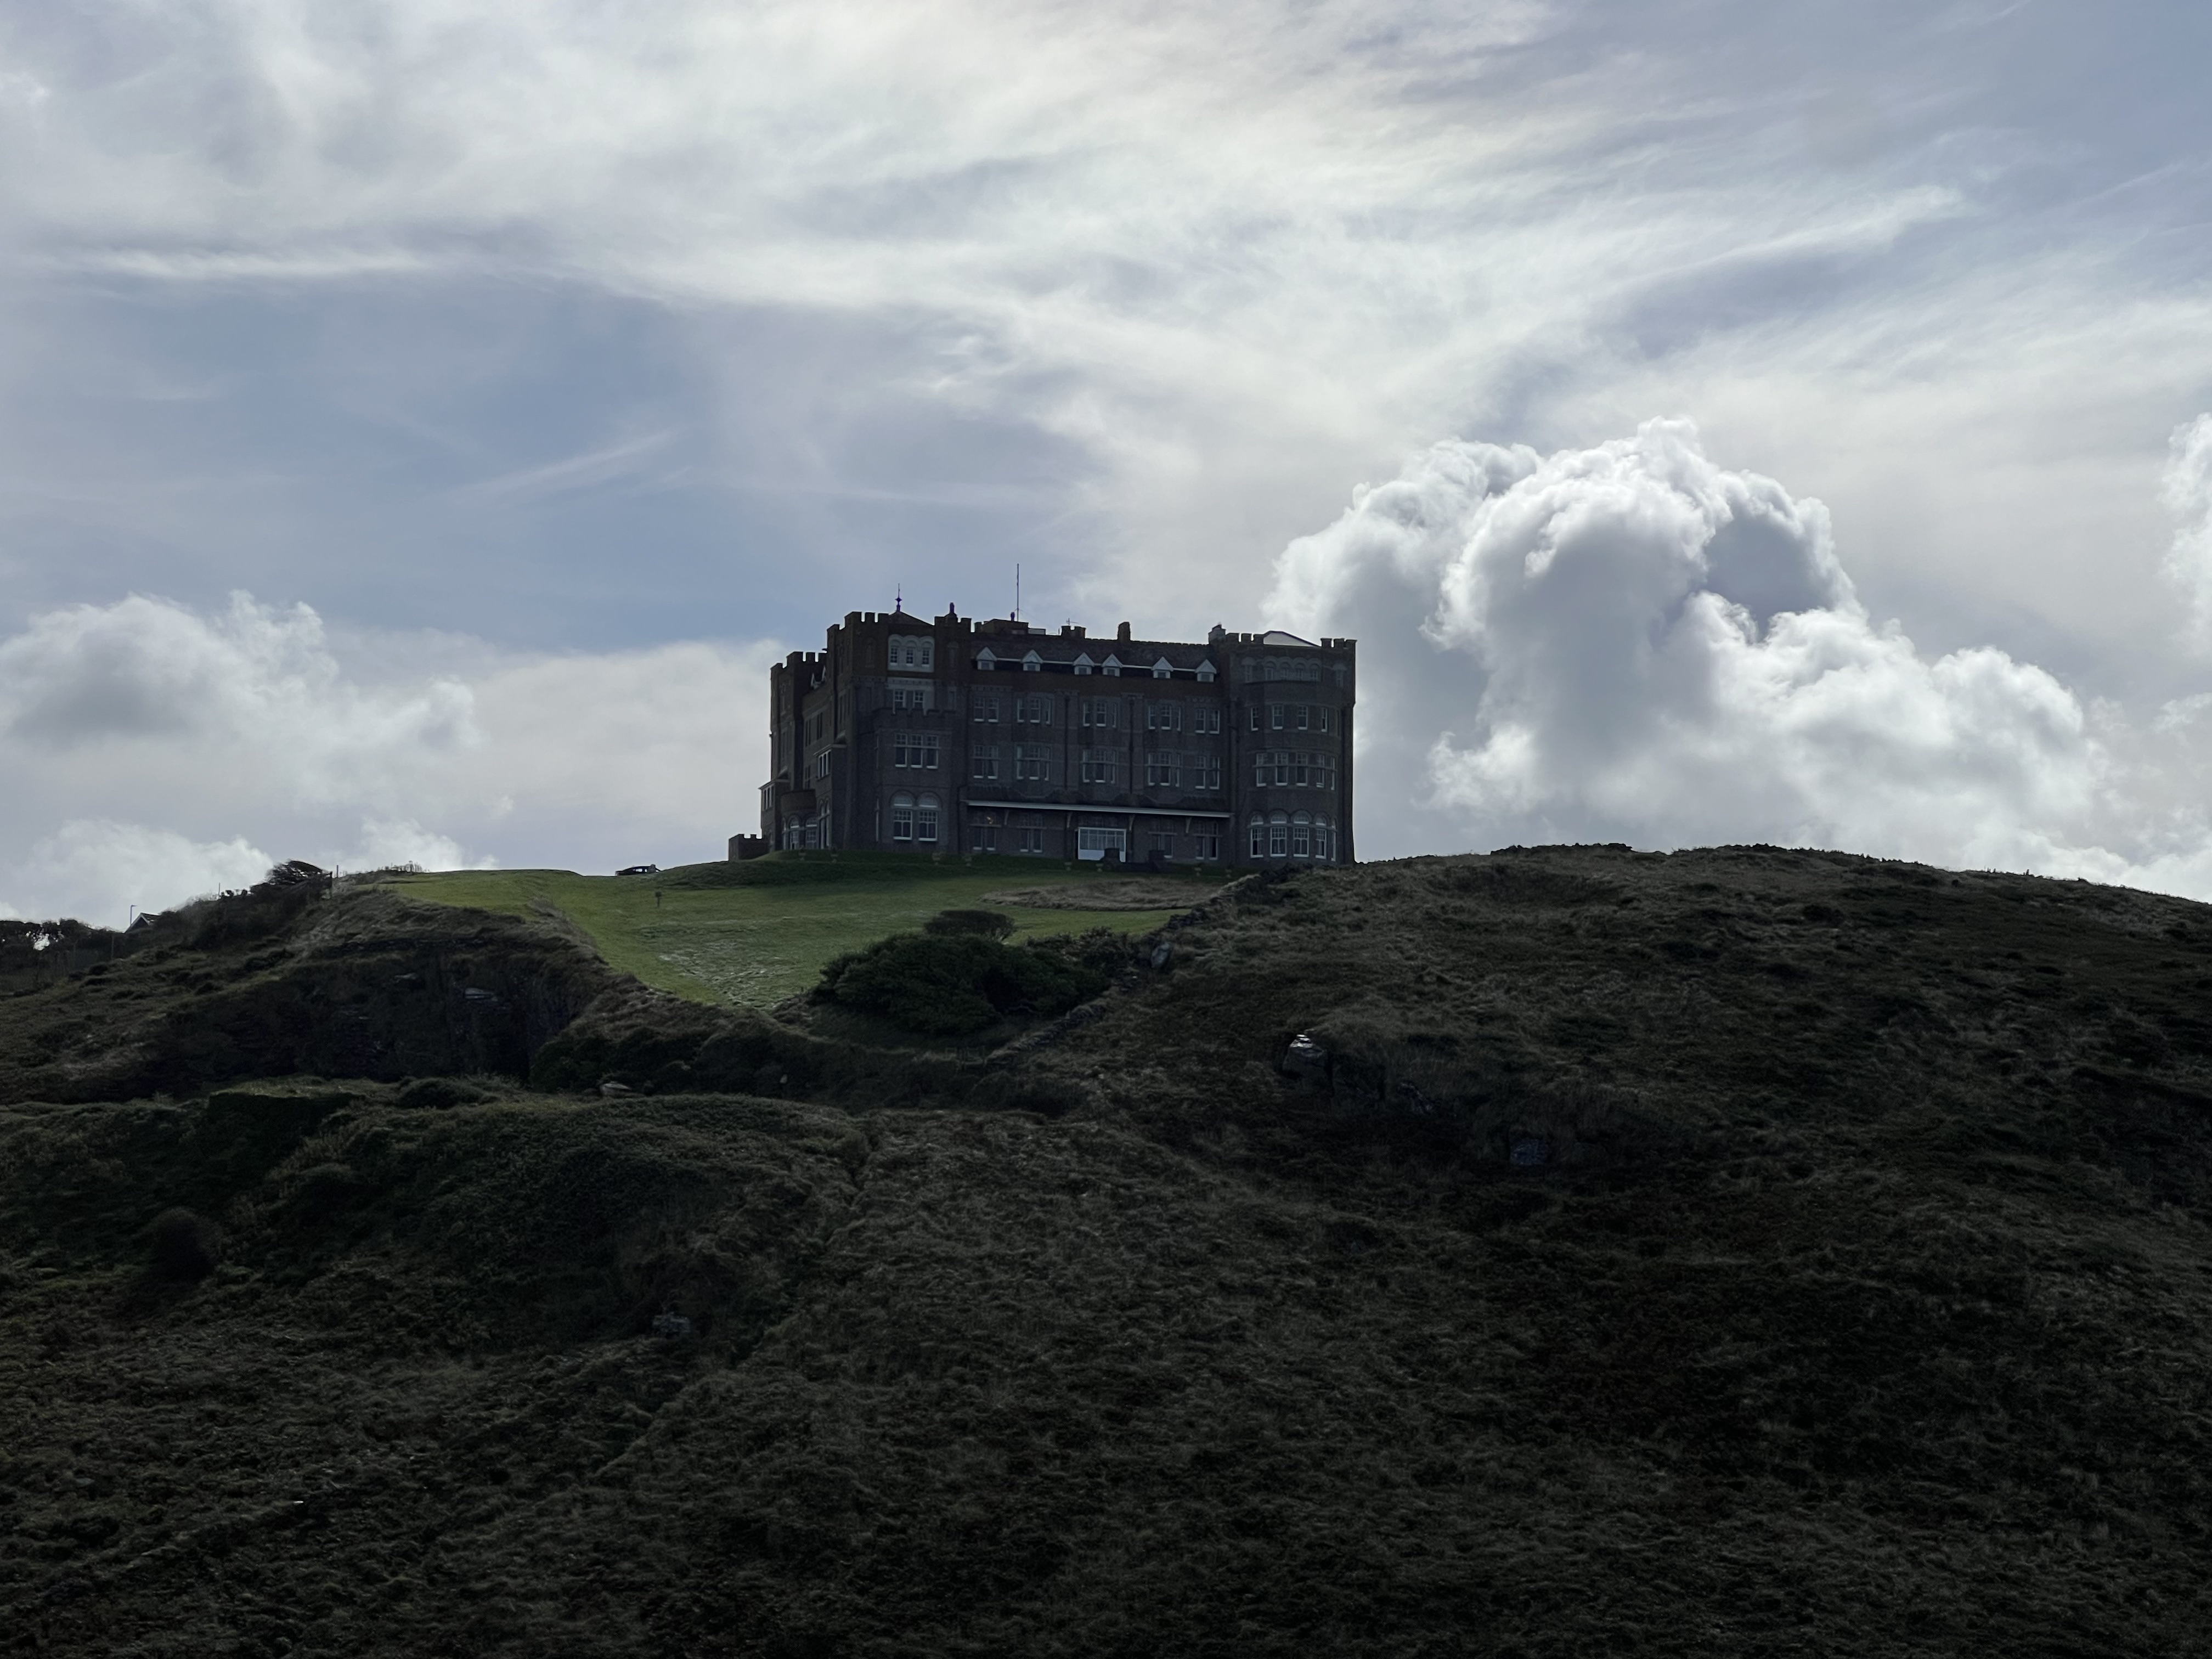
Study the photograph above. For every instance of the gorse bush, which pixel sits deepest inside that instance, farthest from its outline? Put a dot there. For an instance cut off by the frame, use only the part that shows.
(987, 924)
(949, 984)
(183, 1245)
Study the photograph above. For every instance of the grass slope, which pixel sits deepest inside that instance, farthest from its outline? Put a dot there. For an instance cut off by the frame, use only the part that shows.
(705, 932)
(1852, 1296)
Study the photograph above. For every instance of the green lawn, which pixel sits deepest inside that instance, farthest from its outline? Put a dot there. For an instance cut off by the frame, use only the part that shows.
(757, 933)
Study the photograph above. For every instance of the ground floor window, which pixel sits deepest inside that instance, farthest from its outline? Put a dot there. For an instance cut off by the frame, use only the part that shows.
(1279, 835)
(1095, 842)
(1161, 841)
(1032, 838)
(902, 817)
(1301, 836)
(1259, 836)
(925, 820)
(1206, 847)
(983, 838)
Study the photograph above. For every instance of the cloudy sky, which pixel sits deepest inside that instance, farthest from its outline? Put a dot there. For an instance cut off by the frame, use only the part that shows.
(420, 423)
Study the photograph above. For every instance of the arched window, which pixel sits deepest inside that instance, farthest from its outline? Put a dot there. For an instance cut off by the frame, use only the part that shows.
(1324, 839)
(925, 820)
(1301, 836)
(1279, 835)
(1259, 836)
(902, 817)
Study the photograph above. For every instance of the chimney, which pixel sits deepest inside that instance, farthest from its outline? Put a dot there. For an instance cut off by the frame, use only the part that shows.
(1122, 632)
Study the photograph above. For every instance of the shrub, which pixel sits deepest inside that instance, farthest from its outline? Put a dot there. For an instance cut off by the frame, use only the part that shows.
(185, 1246)
(987, 924)
(949, 984)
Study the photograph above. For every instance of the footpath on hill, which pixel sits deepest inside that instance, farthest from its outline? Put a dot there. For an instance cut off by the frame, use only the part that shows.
(1562, 1251)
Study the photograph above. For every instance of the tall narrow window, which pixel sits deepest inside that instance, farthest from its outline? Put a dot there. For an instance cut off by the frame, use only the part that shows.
(1259, 836)
(984, 762)
(1301, 836)
(1279, 835)
(987, 708)
(925, 820)
(902, 817)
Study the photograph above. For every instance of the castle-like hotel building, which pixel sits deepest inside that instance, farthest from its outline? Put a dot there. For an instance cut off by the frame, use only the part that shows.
(958, 735)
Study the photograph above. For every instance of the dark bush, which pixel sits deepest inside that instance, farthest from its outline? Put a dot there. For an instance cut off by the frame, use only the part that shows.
(985, 924)
(185, 1246)
(945, 985)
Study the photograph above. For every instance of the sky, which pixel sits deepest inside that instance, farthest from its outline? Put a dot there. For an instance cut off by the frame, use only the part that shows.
(421, 424)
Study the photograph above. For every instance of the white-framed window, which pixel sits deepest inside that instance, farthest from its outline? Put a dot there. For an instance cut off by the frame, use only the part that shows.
(1324, 777)
(1162, 769)
(1259, 836)
(1301, 772)
(1278, 714)
(1163, 669)
(1206, 717)
(1279, 835)
(913, 653)
(1032, 663)
(1256, 717)
(1205, 673)
(1206, 847)
(1204, 772)
(984, 761)
(1033, 711)
(1112, 666)
(1301, 836)
(902, 817)
(1161, 841)
(914, 748)
(987, 708)
(1304, 713)
(1097, 711)
(1164, 717)
(914, 699)
(983, 838)
(1095, 840)
(1099, 765)
(925, 820)
(1032, 763)
(1324, 839)
(1032, 838)
(1083, 663)
(986, 661)
(1320, 717)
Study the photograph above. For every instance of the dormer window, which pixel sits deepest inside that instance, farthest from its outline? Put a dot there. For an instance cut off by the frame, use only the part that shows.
(1113, 665)
(1163, 669)
(913, 653)
(1205, 673)
(985, 662)
(1083, 663)
(1032, 664)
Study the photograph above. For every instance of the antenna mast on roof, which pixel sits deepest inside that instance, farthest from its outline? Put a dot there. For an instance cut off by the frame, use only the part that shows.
(898, 599)
(1016, 615)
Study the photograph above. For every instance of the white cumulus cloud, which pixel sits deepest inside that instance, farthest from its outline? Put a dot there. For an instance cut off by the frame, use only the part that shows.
(155, 750)
(1629, 641)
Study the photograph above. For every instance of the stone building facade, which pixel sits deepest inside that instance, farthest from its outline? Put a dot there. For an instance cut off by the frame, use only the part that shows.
(956, 735)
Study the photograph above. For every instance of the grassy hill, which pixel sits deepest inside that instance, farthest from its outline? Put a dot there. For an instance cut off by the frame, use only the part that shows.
(755, 933)
(1560, 1252)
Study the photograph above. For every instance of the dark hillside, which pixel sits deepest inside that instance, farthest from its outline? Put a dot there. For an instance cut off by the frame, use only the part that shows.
(1561, 1252)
